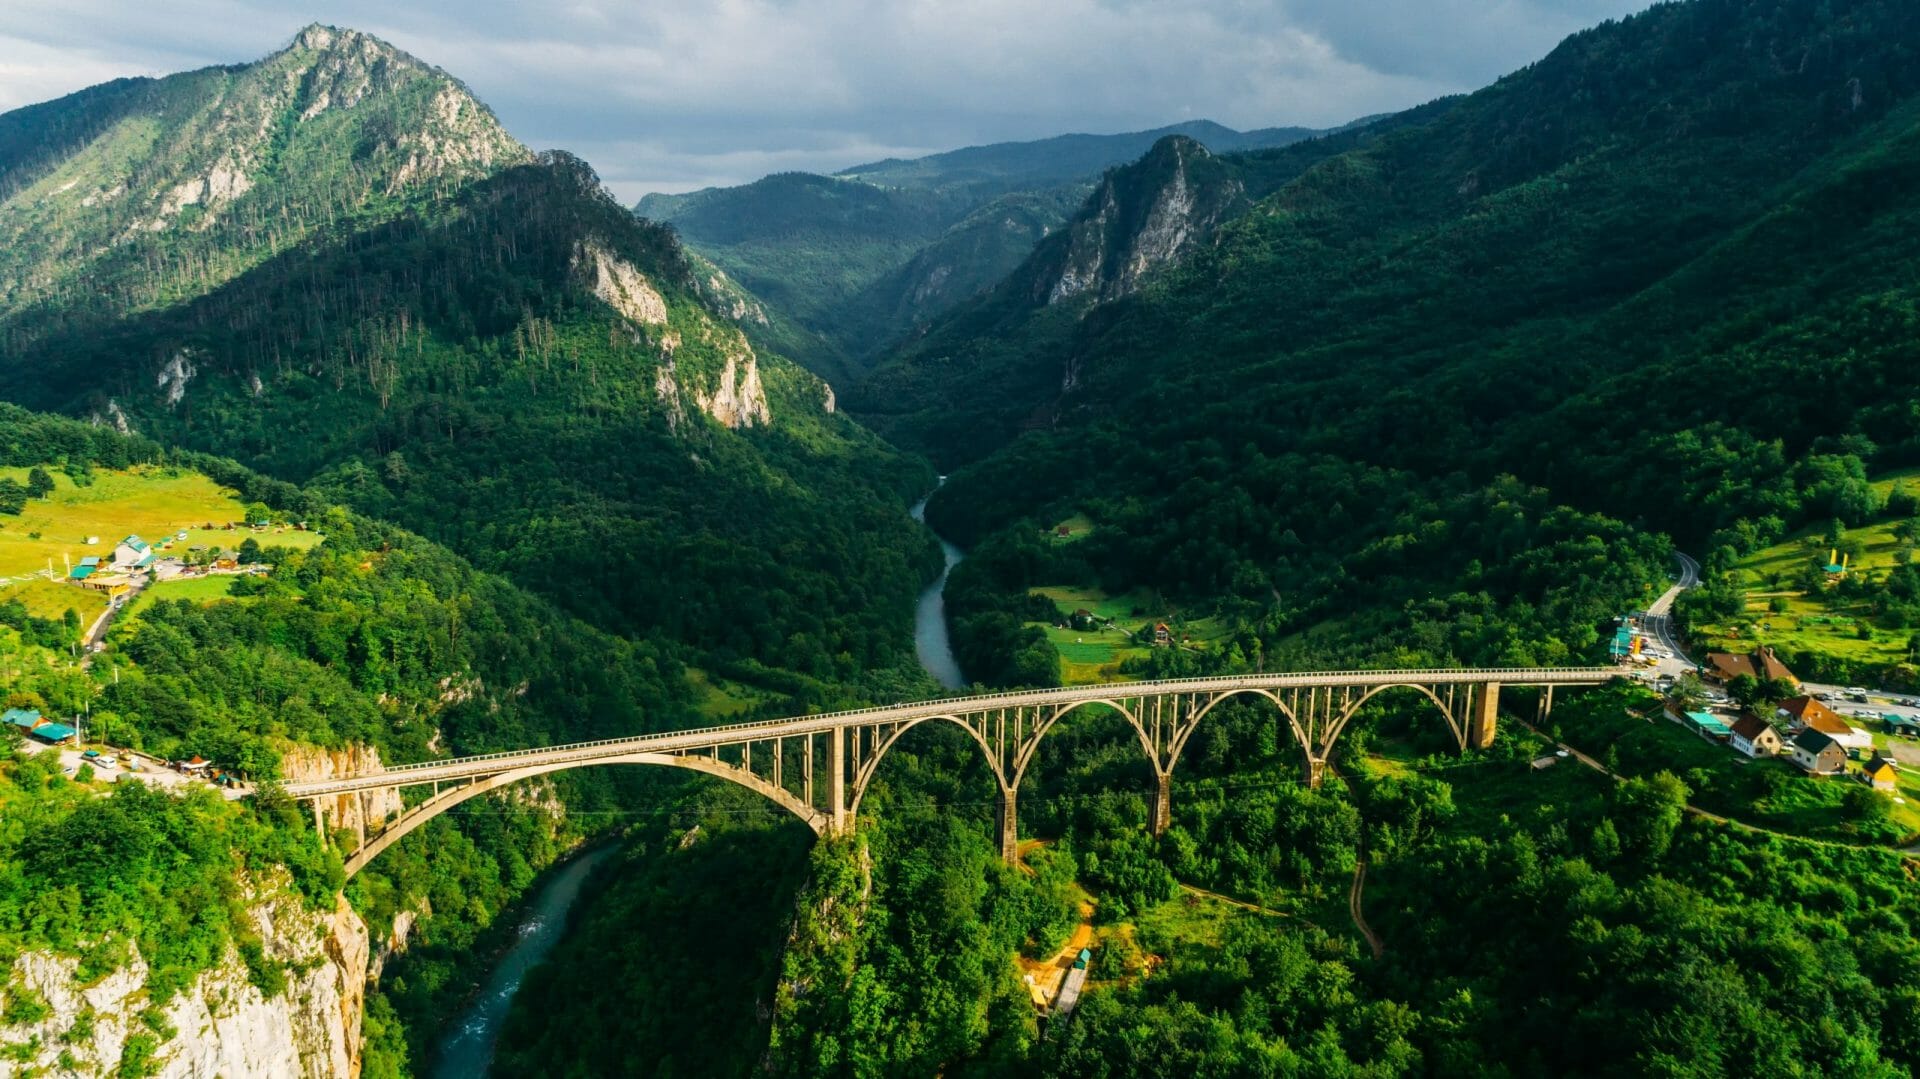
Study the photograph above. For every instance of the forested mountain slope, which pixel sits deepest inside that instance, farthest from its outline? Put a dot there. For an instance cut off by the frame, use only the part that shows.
(373, 645)
(1655, 274)
(520, 368)
(861, 257)
(143, 192)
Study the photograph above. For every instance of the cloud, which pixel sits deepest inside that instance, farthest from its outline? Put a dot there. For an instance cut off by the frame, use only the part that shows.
(670, 94)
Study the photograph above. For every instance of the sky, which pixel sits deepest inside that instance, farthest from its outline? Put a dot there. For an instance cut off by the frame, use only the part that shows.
(673, 95)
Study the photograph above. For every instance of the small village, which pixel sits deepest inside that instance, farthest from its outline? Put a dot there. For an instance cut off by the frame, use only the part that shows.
(121, 574)
(1753, 704)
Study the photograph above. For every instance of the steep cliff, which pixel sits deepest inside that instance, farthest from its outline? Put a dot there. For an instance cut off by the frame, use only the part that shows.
(984, 371)
(291, 1008)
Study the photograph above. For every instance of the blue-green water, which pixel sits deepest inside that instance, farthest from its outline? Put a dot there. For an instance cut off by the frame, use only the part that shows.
(467, 1052)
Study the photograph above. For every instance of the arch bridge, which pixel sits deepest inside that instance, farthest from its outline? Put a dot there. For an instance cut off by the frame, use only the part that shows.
(819, 767)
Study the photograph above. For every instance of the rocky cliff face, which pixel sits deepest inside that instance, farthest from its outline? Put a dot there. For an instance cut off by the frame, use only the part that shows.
(223, 1025)
(307, 764)
(1141, 217)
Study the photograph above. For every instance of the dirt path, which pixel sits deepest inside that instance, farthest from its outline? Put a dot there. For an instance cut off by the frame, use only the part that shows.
(1047, 974)
(1232, 902)
(1359, 920)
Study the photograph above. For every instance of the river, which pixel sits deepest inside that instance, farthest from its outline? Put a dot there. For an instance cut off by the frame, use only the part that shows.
(467, 1052)
(930, 641)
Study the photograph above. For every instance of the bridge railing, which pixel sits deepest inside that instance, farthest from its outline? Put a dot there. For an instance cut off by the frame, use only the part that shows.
(941, 705)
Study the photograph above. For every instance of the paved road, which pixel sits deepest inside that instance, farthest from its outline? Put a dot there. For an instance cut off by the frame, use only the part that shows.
(1658, 622)
(738, 734)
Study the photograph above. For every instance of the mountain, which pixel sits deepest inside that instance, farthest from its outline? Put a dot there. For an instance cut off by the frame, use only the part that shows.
(857, 259)
(462, 337)
(141, 192)
(1050, 162)
(1141, 217)
(1653, 277)
(387, 302)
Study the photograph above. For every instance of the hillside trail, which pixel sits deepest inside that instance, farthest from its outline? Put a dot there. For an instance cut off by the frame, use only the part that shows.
(1909, 853)
(1359, 919)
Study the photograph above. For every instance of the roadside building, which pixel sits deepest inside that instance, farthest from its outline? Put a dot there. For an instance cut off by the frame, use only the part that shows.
(1709, 726)
(1802, 711)
(81, 572)
(1805, 713)
(1071, 986)
(1817, 753)
(1899, 724)
(132, 553)
(53, 734)
(1880, 774)
(1760, 663)
(1755, 737)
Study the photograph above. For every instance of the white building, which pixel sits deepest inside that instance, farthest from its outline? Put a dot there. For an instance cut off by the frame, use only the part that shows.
(132, 553)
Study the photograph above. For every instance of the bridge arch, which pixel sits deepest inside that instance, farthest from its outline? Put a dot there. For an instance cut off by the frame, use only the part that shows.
(1179, 742)
(420, 814)
(1024, 755)
(1446, 711)
(864, 769)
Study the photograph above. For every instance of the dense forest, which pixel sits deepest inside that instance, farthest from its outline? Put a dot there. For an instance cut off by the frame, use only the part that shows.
(1446, 387)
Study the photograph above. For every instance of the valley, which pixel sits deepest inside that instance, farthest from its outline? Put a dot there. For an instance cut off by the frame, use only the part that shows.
(1156, 603)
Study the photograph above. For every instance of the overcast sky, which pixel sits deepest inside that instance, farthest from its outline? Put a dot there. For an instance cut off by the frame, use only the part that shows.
(670, 95)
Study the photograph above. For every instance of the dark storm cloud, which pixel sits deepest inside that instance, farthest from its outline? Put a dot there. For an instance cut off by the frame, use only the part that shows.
(674, 95)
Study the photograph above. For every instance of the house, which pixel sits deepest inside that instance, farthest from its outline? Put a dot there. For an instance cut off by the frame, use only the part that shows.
(1161, 634)
(24, 718)
(1801, 711)
(1880, 774)
(132, 553)
(1756, 737)
(91, 560)
(81, 572)
(1709, 726)
(1761, 663)
(1808, 714)
(1899, 724)
(1817, 753)
(1083, 619)
(53, 733)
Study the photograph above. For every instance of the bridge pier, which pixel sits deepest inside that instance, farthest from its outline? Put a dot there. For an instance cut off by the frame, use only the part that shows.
(1162, 803)
(1316, 771)
(837, 778)
(1006, 816)
(1483, 716)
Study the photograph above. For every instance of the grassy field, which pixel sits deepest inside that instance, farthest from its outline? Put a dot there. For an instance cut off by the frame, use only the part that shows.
(1077, 526)
(1093, 656)
(149, 502)
(52, 599)
(1770, 793)
(1815, 622)
(198, 589)
(721, 700)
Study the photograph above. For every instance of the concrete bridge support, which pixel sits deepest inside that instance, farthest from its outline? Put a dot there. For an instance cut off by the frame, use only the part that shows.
(1006, 817)
(1483, 716)
(1316, 771)
(1162, 803)
(837, 781)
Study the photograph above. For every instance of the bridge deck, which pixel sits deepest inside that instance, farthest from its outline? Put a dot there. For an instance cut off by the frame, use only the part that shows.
(704, 738)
